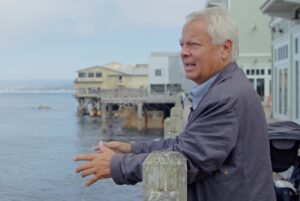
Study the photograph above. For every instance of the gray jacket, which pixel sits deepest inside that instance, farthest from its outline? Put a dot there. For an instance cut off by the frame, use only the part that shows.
(225, 143)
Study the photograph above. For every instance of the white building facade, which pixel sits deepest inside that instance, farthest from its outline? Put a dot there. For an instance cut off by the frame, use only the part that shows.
(254, 42)
(285, 29)
(166, 74)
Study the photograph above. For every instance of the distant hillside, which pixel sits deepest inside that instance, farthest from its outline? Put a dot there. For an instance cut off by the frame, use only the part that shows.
(35, 85)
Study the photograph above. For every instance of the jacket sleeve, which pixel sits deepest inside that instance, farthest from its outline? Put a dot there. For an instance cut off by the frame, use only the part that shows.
(205, 143)
(147, 147)
(127, 168)
(209, 139)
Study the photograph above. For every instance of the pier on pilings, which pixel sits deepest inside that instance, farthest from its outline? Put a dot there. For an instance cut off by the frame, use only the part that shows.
(142, 110)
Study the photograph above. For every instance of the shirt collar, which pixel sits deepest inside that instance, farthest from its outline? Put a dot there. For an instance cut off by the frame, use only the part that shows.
(198, 91)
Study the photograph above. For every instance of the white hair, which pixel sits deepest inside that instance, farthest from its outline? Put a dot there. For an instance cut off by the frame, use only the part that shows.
(221, 27)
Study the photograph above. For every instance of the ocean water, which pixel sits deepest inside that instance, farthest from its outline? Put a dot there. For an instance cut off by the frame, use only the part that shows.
(37, 146)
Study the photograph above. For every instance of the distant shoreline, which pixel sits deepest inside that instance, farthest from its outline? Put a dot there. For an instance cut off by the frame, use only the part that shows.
(19, 91)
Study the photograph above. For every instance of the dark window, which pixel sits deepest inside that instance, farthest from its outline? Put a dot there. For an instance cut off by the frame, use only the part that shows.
(262, 71)
(81, 74)
(296, 45)
(269, 71)
(257, 71)
(252, 72)
(98, 74)
(91, 75)
(247, 72)
(158, 72)
(157, 88)
(297, 74)
(260, 88)
(120, 78)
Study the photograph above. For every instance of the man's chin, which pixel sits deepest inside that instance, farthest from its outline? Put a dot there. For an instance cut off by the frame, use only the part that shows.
(189, 76)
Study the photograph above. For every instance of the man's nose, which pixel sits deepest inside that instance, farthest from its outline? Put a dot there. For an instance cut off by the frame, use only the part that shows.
(185, 51)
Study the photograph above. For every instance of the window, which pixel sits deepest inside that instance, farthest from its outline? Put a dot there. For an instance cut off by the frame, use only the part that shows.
(247, 72)
(82, 90)
(93, 90)
(257, 71)
(280, 92)
(280, 54)
(157, 88)
(262, 71)
(158, 72)
(252, 72)
(260, 88)
(296, 45)
(297, 74)
(81, 74)
(276, 89)
(269, 71)
(98, 74)
(91, 75)
(285, 88)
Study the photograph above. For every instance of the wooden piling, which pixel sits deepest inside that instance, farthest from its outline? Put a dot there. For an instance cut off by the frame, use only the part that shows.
(165, 177)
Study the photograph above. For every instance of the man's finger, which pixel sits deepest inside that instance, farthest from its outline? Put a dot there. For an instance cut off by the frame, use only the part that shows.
(91, 181)
(84, 157)
(104, 148)
(112, 144)
(84, 167)
(88, 172)
(97, 148)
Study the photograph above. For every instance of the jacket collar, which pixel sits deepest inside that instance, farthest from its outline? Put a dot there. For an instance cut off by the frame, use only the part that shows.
(223, 75)
(226, 72)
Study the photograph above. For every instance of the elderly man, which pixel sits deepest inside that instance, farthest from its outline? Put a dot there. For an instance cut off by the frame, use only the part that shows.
(225, 140)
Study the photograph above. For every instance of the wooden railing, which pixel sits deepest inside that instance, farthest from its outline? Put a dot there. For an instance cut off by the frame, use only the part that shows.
(165, 177)
(165, 173)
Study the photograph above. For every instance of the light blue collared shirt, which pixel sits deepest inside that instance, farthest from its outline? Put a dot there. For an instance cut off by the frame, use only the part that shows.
(198, 91)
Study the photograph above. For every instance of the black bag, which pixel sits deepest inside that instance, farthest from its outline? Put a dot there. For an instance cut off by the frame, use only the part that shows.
(285, 194)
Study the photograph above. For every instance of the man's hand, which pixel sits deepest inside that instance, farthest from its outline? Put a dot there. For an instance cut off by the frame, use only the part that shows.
(98, 164)
(118, 147)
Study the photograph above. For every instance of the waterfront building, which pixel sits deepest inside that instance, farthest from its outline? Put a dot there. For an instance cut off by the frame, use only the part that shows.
(254, 41)
(166, 74)
(91, 81)
(285, 31)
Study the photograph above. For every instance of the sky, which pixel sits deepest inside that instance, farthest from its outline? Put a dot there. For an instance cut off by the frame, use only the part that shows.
(53, 39)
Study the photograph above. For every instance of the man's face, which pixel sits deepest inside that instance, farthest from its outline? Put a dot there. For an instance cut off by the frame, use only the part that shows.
(201, 58)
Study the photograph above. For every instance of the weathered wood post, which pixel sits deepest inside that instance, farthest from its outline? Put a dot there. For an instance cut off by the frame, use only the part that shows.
(165, 177)
(103, 113)
(140, 116)
(174, 124)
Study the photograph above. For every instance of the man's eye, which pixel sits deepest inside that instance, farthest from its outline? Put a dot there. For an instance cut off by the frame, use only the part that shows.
(195, 44)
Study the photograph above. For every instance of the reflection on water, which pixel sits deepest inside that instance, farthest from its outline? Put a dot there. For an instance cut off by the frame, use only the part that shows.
(37, 147)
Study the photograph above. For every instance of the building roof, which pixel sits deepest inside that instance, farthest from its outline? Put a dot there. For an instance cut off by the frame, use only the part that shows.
(281, 8)
(138, 69)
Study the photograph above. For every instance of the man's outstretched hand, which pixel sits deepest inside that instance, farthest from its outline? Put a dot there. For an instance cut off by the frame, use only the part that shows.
(116, 146)
(98, 164)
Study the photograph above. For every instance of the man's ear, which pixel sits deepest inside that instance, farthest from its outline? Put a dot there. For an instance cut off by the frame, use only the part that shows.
(226, 49)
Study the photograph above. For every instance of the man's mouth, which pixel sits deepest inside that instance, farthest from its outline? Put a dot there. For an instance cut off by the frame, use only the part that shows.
(189, 66)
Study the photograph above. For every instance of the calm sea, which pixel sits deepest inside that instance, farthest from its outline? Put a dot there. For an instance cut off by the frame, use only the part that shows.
(37, 146)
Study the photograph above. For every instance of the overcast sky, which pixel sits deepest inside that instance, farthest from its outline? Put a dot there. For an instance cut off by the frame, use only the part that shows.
(52, 39)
